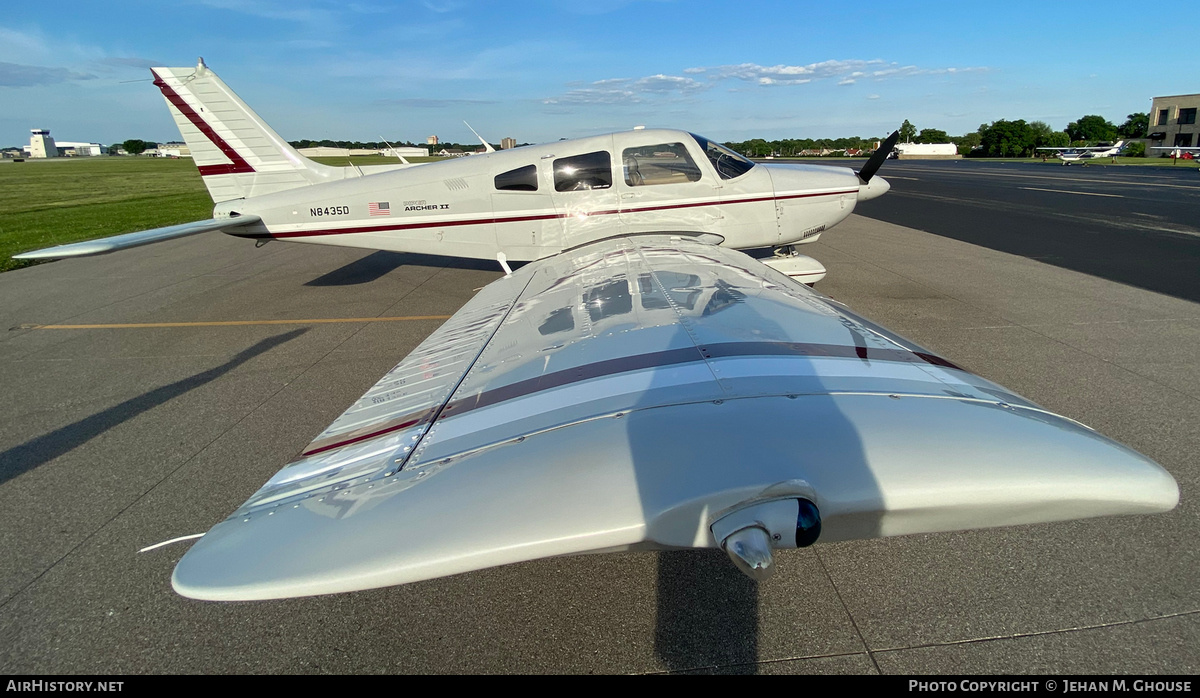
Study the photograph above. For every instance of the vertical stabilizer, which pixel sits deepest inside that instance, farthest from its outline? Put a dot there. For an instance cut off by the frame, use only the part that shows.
(238, 154)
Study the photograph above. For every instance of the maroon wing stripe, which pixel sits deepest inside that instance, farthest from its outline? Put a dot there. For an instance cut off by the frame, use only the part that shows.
(625, 364)
(677, 356)
(369, 432)
(237, 165)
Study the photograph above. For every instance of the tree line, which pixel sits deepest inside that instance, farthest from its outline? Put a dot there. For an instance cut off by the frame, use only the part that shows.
(380, 145)
(1002, 138)
(355, 145)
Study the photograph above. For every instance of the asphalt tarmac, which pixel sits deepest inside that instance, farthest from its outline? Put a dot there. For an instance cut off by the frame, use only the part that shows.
(1134, 225)
(208, 364)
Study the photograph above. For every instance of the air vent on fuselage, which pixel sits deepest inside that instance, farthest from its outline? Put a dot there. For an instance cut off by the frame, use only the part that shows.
(456, 184)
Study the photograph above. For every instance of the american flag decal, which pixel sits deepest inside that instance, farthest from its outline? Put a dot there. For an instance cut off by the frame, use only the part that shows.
(379, 208)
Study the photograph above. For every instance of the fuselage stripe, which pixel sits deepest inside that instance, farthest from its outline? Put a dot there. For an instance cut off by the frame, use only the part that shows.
(540, 217)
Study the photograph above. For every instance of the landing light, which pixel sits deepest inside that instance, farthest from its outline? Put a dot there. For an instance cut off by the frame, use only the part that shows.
(750, 550)
(749, 533)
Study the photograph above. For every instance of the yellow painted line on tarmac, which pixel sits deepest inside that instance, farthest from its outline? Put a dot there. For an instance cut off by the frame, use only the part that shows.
(1068, 191)
(232, 323)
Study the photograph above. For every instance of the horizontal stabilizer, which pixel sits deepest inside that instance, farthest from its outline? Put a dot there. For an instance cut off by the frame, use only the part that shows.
(143, 237)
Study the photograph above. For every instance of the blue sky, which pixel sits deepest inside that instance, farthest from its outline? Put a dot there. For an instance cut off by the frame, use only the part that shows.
(547, 69)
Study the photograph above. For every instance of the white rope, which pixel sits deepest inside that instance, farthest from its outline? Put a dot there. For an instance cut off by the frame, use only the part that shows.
(168, 542)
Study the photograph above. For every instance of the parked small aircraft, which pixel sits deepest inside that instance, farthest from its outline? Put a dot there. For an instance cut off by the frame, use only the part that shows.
(1083, 153)
(521, 204)
(639, 386)
(1180, 151)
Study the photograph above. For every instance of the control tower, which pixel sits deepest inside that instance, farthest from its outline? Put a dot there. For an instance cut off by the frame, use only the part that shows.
(41, 144)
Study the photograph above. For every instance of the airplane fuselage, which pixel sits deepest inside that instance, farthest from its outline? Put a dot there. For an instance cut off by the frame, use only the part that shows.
(533, 202)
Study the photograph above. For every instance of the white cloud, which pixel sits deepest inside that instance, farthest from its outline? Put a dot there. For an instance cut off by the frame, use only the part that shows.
(442, 6)
(789, 74)
(419, 103)
(629, 90)
(848, 70)
(17, 75)
(291, 11)
(129, 62)
(665, 84)
(596, 7)
(16, 45)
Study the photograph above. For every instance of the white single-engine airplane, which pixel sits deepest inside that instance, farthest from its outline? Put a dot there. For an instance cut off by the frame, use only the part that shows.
(1084, 153)
(520, 205)
(638, 386)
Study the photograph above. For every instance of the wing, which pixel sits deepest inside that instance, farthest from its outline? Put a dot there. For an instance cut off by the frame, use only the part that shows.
(630, 394)
(1085, 148)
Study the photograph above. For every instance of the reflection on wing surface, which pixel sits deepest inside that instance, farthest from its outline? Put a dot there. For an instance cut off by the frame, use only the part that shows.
(625, 393)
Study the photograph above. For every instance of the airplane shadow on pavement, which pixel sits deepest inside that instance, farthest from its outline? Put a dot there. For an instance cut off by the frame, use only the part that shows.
(379, 264)
(29, 455)
(707, 613)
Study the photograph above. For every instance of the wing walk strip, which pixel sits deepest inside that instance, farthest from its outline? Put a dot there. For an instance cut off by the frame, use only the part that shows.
(231, 323)
(625, 364)
(537, 217)
(427, 417)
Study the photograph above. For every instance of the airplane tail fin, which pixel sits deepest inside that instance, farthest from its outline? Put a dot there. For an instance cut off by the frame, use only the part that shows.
(238, 154)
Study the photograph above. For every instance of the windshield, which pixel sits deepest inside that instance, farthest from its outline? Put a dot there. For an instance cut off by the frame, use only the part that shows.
(728, 164)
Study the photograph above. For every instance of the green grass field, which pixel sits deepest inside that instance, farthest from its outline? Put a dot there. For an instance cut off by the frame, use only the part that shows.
(55, 202)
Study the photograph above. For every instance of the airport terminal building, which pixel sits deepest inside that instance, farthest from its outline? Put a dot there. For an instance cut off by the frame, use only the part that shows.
(1173, 121)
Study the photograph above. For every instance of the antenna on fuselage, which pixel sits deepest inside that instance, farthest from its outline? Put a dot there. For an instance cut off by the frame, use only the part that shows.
(393, 149)
(486, 145)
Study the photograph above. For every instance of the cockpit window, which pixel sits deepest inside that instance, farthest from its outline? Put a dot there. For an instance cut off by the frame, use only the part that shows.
(520, 179)
(729, 165)
(663, 163)
(581, 172)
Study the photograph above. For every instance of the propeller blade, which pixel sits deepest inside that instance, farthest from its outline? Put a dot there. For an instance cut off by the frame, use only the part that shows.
(881, 153)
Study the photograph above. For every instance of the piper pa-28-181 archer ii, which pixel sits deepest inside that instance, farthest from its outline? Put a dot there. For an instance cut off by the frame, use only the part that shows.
(637, 386)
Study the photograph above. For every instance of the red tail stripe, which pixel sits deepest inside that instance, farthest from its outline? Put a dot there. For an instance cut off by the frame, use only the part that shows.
(237, 165)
